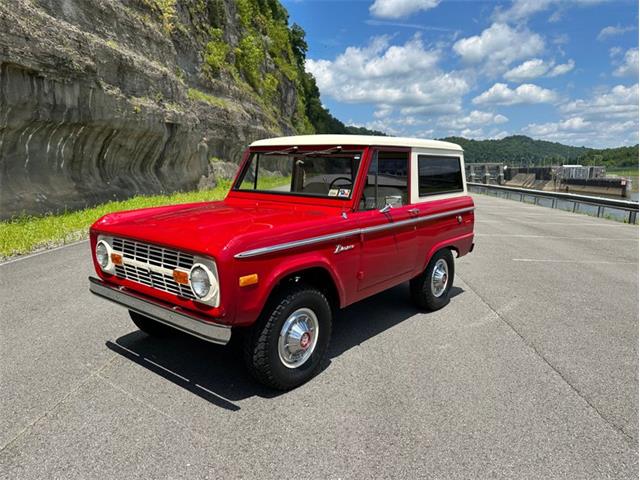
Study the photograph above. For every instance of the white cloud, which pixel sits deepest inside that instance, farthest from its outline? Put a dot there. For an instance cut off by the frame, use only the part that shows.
(608, 118)
(573, 124)
(501, 94)
(390, 76)
(619, 102)
(383, 111)
(422, 122)
(537, 67)
(528, 70)
(400, 8)
(521, 10)
(498, 135)
(612, 31)
(561, 69)
(629, 65)
(474, 118)
(499, 46)
(561, 39)
(615, 51)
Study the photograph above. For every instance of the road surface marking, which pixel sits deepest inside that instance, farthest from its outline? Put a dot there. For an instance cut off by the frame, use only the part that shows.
(542, 260)
(583, 224)
(125, 348)
(554, 237)
(166, 369)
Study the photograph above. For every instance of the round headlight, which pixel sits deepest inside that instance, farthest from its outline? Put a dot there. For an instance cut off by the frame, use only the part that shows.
(200, 282)
(102, 254)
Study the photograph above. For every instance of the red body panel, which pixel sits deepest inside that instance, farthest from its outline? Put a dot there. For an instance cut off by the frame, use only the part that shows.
(244, 221)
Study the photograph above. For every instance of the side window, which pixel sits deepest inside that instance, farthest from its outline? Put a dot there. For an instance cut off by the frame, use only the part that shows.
(387, 181)
(437, 175)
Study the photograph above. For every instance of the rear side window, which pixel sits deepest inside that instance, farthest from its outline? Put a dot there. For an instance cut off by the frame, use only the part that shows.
(437, 175)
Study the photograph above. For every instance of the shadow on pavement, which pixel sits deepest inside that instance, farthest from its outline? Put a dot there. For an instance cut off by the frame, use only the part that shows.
(217, 374)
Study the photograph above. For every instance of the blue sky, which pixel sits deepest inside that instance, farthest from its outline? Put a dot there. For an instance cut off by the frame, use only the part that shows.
(559, 70)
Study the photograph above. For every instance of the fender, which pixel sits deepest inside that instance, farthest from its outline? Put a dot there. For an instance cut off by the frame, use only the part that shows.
(253, 299)
(461, 244)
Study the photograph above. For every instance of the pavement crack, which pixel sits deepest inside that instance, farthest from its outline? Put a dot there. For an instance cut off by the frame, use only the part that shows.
(628, 438)
(48, 411)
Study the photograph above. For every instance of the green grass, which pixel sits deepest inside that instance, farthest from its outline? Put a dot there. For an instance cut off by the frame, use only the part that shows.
(200, 96)
(623, 171)
(25, 234)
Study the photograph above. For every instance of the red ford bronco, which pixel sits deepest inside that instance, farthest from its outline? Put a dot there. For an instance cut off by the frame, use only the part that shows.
(311, 224)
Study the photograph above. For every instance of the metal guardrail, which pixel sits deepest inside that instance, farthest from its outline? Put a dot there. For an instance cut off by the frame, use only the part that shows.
(624, 210)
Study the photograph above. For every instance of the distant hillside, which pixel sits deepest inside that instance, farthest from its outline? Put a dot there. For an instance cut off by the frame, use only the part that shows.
(611, 157)
(520, 149)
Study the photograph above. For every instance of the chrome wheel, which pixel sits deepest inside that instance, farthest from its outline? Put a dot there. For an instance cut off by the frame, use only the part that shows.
(298, 338)
(439, 277)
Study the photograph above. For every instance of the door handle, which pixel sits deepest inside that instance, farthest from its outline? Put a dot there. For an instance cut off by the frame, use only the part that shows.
(414, 211)
(385, 209)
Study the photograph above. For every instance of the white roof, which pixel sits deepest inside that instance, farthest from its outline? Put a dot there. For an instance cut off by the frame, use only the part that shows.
(300, 140)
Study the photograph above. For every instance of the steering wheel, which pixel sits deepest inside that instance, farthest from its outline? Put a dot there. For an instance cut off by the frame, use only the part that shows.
(340, 178)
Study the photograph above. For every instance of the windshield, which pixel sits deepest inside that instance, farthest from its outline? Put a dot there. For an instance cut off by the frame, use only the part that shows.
(320, 174)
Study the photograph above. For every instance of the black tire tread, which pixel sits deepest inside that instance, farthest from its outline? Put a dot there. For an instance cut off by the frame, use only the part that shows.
(420, 289)
(256, 346)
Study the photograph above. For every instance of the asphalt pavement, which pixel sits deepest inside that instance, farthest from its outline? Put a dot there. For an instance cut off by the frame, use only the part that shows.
(530, 372)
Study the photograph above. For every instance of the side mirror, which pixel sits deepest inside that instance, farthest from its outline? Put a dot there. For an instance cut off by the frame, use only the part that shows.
(385, 209)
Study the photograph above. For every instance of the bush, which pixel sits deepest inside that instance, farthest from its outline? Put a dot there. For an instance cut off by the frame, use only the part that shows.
(249, 59)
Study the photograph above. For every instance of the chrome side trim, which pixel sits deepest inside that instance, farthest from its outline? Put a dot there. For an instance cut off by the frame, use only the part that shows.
(297, 243)
(358, 231)
(180, 320)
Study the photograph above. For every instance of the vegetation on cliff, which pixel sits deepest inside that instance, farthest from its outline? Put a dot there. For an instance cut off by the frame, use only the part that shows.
(249, 44)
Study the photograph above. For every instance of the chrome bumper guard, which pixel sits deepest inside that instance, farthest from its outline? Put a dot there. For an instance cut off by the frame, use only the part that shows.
(171, 316)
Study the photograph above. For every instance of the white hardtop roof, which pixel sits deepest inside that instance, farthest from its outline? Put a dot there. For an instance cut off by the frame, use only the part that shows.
(304, 140)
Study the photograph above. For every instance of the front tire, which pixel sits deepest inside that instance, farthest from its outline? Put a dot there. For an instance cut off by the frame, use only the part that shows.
(430, 290)
(149, 326)
(288, 344)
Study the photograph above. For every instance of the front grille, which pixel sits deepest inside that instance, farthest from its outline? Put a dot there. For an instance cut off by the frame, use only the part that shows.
(154, 260)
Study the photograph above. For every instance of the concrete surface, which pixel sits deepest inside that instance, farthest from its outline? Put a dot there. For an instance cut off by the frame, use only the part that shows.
(530, 372)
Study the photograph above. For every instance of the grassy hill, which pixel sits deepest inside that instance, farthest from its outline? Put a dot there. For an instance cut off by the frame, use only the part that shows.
(522, 150)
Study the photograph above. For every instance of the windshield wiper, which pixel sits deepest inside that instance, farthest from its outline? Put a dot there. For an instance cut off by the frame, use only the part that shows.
(279, 152)
(323, 152)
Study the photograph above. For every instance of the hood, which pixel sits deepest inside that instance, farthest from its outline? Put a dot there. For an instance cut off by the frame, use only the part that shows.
(211, 227)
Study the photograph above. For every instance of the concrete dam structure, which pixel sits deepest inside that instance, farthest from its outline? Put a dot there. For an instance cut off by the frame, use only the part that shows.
(589, 180)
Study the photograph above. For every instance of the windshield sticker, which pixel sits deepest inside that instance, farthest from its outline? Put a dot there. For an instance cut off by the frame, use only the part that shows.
(344, 192)
(333, 192)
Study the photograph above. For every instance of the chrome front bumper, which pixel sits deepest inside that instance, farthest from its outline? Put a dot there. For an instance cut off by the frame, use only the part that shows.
(171, 316)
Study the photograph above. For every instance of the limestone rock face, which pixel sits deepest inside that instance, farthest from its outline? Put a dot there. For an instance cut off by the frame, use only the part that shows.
(102, 99)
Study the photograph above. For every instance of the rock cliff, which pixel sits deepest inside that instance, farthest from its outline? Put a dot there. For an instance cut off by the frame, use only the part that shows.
(103, 99)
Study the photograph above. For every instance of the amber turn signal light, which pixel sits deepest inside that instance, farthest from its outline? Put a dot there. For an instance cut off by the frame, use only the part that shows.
(181, 277)
(116, 258)
(248, 280)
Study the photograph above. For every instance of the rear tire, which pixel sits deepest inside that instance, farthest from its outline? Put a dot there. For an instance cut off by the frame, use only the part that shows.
(430, 290)
(288, 344)
(149, 326)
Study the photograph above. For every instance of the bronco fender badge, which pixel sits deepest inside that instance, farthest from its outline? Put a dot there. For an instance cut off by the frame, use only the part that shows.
(341, 248)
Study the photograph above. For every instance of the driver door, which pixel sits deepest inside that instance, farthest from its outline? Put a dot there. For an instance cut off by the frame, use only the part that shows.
(389, 250)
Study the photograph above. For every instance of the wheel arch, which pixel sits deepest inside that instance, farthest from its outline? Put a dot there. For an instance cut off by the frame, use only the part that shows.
(317, 276)
(440, 246)
(311, 268)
